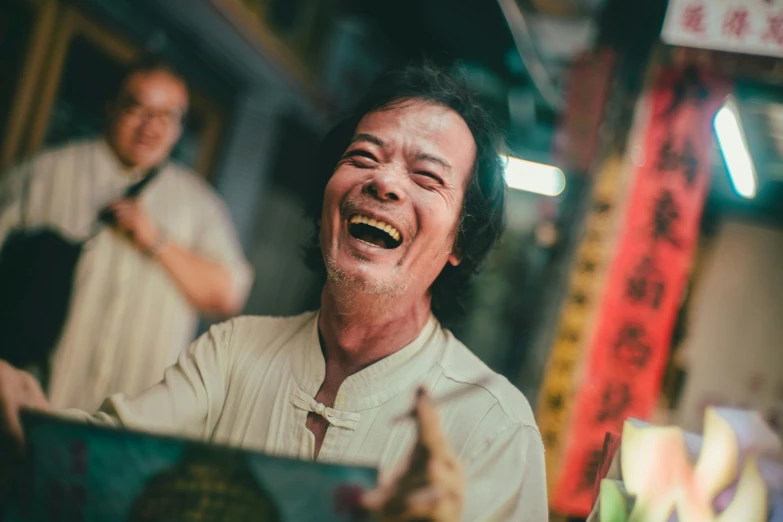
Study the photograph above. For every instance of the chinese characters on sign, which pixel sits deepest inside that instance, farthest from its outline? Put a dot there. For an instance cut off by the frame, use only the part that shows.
(693, 19)
(742, 26)
(774, 32)
(629, 345)
(736, 24)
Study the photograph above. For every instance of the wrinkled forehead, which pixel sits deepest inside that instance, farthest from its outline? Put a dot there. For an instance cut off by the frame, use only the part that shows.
(156, 86)
(422, 127)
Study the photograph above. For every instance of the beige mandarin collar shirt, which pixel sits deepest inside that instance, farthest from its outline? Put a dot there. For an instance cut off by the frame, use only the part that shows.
(251, 383)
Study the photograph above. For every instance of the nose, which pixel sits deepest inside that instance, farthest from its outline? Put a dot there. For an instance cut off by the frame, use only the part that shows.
(385, 185)
(150, 127)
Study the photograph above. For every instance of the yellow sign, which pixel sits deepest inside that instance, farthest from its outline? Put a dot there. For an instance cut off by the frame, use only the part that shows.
(564, 362)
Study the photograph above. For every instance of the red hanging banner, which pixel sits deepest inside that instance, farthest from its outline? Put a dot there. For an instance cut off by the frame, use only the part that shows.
(627, 354)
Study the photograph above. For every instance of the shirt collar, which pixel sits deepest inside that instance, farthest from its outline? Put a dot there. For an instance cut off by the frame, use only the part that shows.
(377, 383)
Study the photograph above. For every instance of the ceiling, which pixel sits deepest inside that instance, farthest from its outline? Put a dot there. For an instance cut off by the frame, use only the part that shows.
(476, 35)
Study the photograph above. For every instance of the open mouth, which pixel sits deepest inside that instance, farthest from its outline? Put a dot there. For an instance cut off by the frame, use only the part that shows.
(374, 231)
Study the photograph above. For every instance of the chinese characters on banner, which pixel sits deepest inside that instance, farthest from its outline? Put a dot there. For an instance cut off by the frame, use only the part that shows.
(627, 352)
(742, 26)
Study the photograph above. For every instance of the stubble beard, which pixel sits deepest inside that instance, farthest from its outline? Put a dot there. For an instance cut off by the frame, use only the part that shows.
(346, 287)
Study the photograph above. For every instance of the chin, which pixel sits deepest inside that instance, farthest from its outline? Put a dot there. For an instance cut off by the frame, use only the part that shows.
(359, 275)
(145, 158)
(148, 162)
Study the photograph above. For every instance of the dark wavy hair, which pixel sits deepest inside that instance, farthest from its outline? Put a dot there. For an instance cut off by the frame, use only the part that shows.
(483, 209)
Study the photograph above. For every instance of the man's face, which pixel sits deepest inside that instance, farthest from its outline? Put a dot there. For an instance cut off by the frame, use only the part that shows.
(146, 120)
(392, 206)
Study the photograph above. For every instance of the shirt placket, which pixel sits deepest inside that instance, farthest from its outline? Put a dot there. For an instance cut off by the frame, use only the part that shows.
(342, 426)
(336, 441)
(115, 316)
(116, 306)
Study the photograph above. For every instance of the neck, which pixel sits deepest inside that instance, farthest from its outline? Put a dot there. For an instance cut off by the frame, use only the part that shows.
(357, 331)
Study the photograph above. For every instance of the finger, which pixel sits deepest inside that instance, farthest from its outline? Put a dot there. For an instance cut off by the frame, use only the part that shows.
(120, 205)
(125, 220)
(374, 500)
(444, 474)
(9, 405)
(34, 397)
(424, 504)
(120, 213)
(125, 211)
(9, 410)
(430, 433)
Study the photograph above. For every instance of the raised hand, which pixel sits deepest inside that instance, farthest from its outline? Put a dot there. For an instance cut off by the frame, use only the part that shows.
(431, 487)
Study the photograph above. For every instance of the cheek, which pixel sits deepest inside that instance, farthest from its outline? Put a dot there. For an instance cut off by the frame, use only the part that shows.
(170, 139)
(130, 132)
(331, 198)
(330, 212)
(340, 185)
(439, 218)
(123, 130)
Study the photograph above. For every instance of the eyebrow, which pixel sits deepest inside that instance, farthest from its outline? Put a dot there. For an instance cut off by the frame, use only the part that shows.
(436, 159)
(375, 140)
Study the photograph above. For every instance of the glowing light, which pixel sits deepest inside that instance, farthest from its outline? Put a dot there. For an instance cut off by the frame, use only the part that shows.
(533, 177)
(734, 147)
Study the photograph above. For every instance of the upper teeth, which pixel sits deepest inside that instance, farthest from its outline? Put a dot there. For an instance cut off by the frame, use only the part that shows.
(381, 225)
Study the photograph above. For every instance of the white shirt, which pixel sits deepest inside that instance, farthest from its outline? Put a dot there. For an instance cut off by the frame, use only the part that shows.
(128, 320)
(251, 382)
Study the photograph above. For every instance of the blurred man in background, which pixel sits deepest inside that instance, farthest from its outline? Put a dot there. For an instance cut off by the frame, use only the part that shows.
(165, 256)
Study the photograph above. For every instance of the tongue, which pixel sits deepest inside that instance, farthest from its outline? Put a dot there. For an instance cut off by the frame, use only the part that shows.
(373, 239)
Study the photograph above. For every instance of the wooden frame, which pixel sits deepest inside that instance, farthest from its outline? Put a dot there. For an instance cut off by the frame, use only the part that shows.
(252, 26)
(71, 23)
(33, 66)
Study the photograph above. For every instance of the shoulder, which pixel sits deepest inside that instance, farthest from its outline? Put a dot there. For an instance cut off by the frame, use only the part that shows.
(184, 181)
(49, 159)
(257, 334)
(502, 400)
(490, 403)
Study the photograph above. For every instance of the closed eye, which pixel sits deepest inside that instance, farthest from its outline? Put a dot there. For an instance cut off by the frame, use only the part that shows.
(430, 175)
(359, 153)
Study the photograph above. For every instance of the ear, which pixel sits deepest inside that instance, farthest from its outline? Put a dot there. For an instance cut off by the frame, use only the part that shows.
(455, 258)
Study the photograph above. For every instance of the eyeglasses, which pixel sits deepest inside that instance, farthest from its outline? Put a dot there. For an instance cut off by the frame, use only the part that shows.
(131, 107)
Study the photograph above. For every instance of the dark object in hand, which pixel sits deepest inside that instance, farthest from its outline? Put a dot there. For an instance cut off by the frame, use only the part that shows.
(107, 216)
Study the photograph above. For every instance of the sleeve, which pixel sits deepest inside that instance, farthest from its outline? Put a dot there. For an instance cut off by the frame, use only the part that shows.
(218, 241)
(507, 480)
(189, 399)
